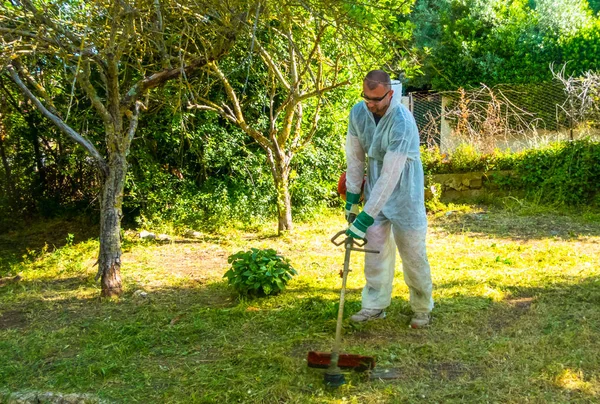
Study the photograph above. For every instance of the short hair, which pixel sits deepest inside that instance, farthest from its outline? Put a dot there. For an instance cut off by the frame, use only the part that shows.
(377, 77)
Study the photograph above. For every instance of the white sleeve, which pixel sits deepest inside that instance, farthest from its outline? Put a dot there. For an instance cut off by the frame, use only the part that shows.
(393, 164)
(355, 160)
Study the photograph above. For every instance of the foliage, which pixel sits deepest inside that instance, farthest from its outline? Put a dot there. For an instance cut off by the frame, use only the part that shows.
(433, 194)
(465, 43)
(465, 159)
(259, 272)
(564, 173)
(42, 174)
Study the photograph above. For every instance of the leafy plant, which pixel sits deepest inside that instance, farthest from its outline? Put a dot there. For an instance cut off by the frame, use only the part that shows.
(259, 272)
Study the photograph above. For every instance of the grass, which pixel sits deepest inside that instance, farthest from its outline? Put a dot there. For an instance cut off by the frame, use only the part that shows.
(516, 319)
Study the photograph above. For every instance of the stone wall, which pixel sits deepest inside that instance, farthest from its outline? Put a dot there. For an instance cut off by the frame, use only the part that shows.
(464, 185)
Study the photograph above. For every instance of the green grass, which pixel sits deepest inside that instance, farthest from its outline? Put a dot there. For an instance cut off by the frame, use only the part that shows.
(517, 291)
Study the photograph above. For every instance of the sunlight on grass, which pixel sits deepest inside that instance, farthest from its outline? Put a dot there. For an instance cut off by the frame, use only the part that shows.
(516, 317)
(572, 380)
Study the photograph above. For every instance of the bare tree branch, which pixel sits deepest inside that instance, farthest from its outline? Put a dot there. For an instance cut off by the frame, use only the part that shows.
(237, 109)
(36, 86)
(160, 40)
(133, 123)
(273, 66)
(84, 80)
(67, 130)
(211, 106)
(323, 90)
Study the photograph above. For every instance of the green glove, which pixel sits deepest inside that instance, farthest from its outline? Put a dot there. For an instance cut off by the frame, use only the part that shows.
(352, 201)
(358, 228)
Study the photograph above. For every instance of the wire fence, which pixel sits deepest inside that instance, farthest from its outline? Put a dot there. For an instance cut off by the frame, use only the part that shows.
(509, 116)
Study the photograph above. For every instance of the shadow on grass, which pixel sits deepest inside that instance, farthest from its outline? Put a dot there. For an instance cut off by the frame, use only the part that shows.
(21, 244)
(518, 227)
(197, 332)
(188, 338)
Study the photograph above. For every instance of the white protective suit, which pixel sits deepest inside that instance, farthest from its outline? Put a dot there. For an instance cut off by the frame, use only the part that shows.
(394, 195)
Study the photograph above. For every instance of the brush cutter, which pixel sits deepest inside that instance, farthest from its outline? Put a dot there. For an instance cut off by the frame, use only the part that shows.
(335, 361)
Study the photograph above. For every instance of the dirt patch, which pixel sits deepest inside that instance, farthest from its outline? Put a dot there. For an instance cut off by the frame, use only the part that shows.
(12, 319)
(200, 265)
(521, 304)
(199, 262)
(511, 311)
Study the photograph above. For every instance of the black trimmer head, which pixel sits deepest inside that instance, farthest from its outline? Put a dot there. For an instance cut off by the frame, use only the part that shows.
(334, 379)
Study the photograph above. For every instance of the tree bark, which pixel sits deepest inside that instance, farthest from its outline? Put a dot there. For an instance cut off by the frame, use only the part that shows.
(35, 141)
(281, 173)
(109, 260)
(10, 187)
(284, 207)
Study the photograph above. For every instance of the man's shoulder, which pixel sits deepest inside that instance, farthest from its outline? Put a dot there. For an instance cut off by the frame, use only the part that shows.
(357, 108)
(400, 112)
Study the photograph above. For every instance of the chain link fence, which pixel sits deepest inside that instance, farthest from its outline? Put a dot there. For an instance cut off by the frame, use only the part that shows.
(509, 116)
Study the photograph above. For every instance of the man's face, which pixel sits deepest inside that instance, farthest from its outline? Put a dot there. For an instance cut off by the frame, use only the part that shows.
(371, 97)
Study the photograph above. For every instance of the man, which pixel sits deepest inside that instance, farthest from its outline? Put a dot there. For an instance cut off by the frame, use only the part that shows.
(381, 128)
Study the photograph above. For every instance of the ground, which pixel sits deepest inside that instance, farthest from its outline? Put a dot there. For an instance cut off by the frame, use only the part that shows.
(516, 320)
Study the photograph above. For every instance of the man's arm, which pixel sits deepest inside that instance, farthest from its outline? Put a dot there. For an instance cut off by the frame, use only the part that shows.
(355, 161)
(393, 165)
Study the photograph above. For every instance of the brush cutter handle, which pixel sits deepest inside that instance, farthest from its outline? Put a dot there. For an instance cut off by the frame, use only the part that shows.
(351, 217)
(354, 242)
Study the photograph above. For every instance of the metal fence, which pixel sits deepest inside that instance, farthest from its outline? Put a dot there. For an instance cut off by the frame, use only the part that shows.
(506, 116)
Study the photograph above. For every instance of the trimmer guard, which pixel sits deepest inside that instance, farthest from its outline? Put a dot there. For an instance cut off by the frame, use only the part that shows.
(358, 363)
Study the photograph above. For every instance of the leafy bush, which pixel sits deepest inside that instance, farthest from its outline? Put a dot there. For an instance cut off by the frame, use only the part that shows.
(465, 159)
(566, 173)
(259, 272)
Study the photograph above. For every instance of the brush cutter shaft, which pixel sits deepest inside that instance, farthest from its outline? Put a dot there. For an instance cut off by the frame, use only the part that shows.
(338, 329)
(333, 374)
(349, 243)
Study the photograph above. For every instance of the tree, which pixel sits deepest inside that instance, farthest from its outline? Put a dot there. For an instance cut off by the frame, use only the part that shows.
(469, 42)
(304, 51)
(116, 51)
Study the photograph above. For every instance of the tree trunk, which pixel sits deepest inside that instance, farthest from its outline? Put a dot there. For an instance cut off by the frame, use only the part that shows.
(109, 260)
(10, 187)
(39, 161)
(284, 204)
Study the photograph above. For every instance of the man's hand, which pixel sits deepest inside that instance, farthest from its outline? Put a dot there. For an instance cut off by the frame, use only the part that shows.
(358, 228)
(351, 212)
(351, 205)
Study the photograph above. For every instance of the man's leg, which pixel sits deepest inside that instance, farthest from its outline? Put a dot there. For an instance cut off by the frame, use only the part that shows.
(379, 268)
(417, 273)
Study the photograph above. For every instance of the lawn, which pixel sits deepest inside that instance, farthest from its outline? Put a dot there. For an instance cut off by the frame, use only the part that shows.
(517, 292)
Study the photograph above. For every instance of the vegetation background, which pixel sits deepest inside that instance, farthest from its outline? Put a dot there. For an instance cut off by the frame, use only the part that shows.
(194, 169)
(197, 110)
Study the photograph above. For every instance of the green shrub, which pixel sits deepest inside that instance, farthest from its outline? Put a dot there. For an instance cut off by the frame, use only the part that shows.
(259, 272)
(564, 173)
(465, 159)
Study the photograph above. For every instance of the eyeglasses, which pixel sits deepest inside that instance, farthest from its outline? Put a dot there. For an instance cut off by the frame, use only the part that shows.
(374, 99)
